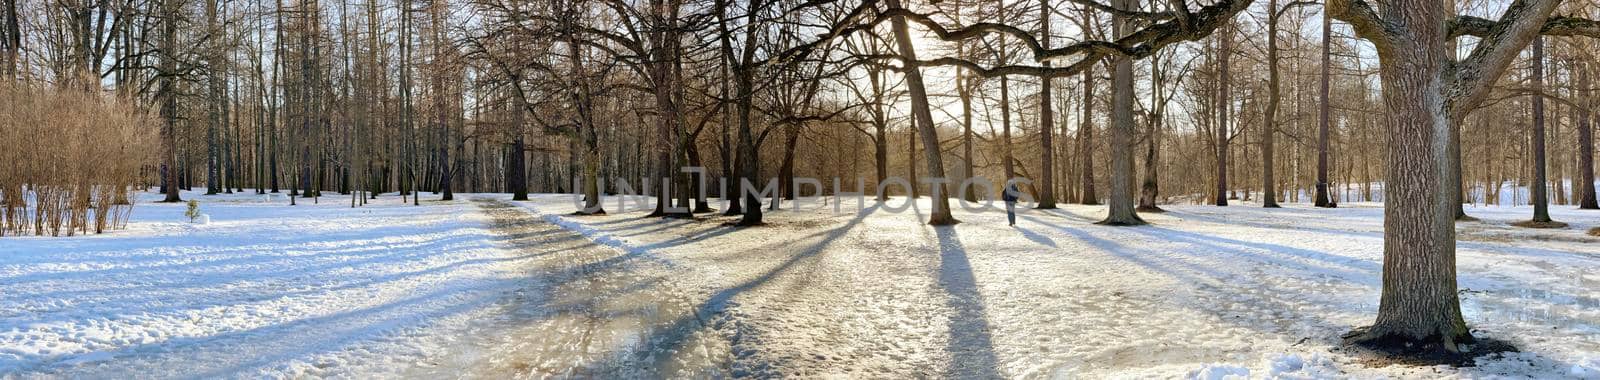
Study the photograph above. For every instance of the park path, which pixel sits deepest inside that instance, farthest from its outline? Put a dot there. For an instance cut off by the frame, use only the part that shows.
(589, 312)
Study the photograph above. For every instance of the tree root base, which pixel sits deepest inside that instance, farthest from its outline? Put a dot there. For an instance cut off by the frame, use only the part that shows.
(1388, 349)
(596, 213)
(1594, 231)
(1122, 223)
(1539, 224)
(1150, 209)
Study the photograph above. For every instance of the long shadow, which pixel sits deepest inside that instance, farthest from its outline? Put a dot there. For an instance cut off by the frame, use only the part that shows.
(1062, 213)
(266, 347)
(1354, 269)
(241, 270)
(658, 226)
(1205, 279)
(701, 235)
(1190, 215)
(672, 336)
(237, 252)
(1115, 249)
(971, 344)
(344, 326)
(1037, 238)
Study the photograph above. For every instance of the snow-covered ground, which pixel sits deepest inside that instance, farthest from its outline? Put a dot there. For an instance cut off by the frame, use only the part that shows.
(263, 290)
(1203, 291)
(488, 288)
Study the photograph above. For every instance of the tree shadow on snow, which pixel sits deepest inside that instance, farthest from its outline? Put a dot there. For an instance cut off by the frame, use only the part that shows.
(664, 341)
(971, 344)
(1209, 283)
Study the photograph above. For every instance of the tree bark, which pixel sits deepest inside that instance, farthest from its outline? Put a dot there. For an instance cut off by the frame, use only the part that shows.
(1086, 140)
(1586, 191)
(1150, 189)
(924, 116)
(167, 90)
(1121, 207)
(1007, 162)
(1047, 193)
(1420, 309)
(1224, 103)
(1419, 300)
(1537, 187)
(1324, 113)
(1269, 189)
(964, 90)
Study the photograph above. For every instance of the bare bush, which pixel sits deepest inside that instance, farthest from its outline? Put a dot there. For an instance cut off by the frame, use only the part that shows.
(68, 160)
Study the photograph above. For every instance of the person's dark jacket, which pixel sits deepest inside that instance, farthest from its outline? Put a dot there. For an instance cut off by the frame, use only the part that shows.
(1010, 195)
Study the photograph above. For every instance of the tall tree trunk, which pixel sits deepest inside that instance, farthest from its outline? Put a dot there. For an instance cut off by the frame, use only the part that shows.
(1454, 178)
(911, 159)
(1586, 106)
(880, 130)
(924, 117)
(964, 90)
(1325, 110)
(1224, 103)
(880, 156)
(1537, 190)
(1121, 204)
(1420, 307)
(697, 181)
(169, 97)
(1086, 140)
(1419, 298)
(588, 133)
(1007, 162)
(791, 141)
(1047, 183)
(516, 167)
(1269, 189)
(213, 57)
(1150, 189)
(744, 85)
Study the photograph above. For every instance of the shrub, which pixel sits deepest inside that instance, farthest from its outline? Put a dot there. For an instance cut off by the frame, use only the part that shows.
(70, 159)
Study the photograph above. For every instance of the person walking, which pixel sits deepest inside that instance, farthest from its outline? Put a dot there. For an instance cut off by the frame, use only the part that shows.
(1010, 197)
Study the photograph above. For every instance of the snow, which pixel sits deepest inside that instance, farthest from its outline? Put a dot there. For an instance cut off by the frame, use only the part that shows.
(1202, 291)
(1221, 372)
(482, 287)
(265, 289)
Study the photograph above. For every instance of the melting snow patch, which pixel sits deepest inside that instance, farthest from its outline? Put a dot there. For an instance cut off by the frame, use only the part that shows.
(1285, 363)
(1219, 371)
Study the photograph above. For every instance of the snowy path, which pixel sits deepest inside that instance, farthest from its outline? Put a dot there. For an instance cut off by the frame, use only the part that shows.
(590, 312)
(1202, 291)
